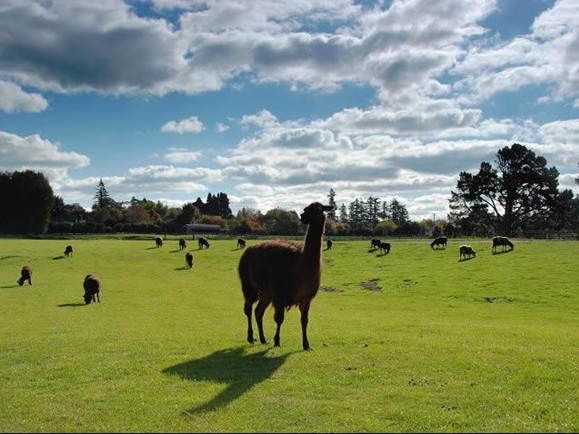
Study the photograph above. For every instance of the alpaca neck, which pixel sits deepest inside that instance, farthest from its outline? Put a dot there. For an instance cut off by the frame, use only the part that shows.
(313, 242)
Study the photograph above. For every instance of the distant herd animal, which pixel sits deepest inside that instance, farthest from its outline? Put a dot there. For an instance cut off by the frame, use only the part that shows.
(25, 275)
(159, 242)
(68, 251)
(502, 241)
(466, 252)
(240, 243)
(203, 243)
(182, 244)
(92, 287)
(439, 241)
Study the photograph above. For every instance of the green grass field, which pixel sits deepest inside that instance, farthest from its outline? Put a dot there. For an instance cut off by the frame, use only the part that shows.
(412, 341)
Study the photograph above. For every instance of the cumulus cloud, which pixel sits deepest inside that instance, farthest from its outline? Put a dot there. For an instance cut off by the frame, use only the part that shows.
(14, 99)
(190, 125)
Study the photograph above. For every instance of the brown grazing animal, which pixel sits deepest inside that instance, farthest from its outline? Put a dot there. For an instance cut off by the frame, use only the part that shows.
(440, 241)
(203, 242)
(466, 252)
(502, 241)
(159, 242)
(240, 243)
(92, 287)
(329, 244)
(182, 243)
(68, 251)
(25, 274)
(189, 259)
(285, 274)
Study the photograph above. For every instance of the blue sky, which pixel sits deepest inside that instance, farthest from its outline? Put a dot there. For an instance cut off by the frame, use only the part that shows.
(276, 102)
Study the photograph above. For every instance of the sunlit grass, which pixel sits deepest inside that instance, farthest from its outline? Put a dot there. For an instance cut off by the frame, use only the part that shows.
(412, 341)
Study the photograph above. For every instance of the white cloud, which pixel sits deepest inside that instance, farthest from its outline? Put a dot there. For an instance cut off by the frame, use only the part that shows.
(14, 99)
(190, 125)
(183, 156)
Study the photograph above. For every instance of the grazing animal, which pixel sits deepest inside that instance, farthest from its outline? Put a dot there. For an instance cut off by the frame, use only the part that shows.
(329, 244)
(92, 288)
(384, 247)
(159, 242)
(240, 243)
(440, 241)
(68, 251)
(203, 243)
(375, 243)
(285, 274)
(189, 259)
(182, 243)
(25, 274)
(502, 241)
(466, 252)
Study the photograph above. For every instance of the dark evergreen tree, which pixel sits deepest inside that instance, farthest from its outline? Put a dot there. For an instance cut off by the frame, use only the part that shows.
(332, 202)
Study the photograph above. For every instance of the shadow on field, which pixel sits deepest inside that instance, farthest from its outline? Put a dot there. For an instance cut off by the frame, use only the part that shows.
(501, 252)
(58, 257)
(231, 366)
(466, 259)
(9, 286)
(185, 267)
(71, 304)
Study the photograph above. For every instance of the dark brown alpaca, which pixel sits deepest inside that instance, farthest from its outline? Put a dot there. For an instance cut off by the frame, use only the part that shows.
(189, 259)
(285, 274)
(25, 275)
(92, 287)
(159, 242)
(68, 251)
(182, 244)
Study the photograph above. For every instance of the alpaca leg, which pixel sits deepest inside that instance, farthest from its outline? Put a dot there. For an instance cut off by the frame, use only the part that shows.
(305, 309)
(259, 311)
(278, 317)
(247, 309)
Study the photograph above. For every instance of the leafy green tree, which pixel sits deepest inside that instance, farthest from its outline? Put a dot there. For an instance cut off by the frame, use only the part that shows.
(26, 202)
(282, 222)
(521, 190)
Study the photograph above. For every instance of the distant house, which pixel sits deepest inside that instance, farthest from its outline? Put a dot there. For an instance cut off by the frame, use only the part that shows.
(197, 228)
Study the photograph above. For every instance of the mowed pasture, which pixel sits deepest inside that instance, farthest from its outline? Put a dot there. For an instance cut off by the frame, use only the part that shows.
(411, 341)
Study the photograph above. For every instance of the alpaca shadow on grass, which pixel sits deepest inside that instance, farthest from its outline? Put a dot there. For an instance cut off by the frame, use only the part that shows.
(9, 286)
(176, 251)
(185, 267)
(152, 248)
(466, 259)
(71, 304)
(56, 258)
(233, 367)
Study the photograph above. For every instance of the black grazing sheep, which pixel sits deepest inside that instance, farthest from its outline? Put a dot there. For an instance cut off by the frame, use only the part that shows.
(25, 274)
(203, 243)
(329, 244)
(285, 274)
(159, 242)
(375, 243)
(240, 243)
(466, 252)
(384, 247)
(502, 241)
(189, 259)
(68, 251)
(92, 288)
(440, 241)
(182, 243)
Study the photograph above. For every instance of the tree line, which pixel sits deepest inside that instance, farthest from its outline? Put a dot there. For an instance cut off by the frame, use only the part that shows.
(520, 193)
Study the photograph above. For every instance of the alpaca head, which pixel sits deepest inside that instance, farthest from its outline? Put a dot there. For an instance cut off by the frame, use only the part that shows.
(314, 212)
